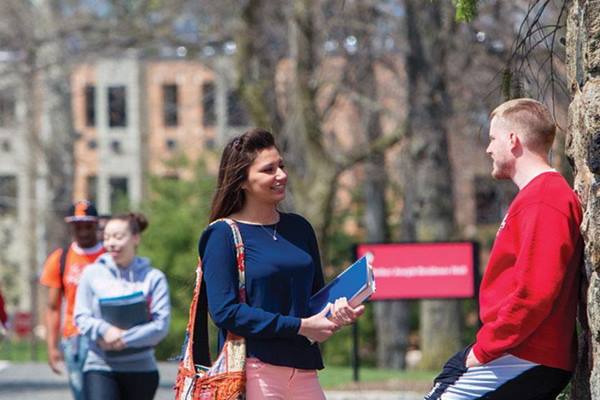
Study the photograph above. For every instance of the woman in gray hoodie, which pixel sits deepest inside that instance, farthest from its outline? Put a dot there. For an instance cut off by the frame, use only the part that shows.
(122, 305)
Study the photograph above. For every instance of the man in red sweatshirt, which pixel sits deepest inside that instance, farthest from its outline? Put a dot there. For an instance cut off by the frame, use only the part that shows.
(526, 347)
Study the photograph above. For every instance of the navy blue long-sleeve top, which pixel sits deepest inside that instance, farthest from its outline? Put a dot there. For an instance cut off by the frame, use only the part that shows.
(281, 275)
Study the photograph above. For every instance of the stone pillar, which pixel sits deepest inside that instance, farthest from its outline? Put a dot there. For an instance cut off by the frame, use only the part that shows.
(583, 149)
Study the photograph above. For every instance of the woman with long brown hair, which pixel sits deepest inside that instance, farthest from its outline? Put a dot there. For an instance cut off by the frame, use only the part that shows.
(282, 271)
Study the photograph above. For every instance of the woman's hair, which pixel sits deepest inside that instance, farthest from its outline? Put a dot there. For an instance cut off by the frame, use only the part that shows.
(238, 155)
(136, 221)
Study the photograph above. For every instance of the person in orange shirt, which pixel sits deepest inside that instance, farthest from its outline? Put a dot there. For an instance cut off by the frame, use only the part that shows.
(60, 275)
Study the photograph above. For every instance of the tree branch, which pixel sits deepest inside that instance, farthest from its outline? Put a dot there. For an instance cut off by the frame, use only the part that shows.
(379, 146)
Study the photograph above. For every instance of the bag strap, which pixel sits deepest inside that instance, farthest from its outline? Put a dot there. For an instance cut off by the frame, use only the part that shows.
(198, 325)
(63, 265)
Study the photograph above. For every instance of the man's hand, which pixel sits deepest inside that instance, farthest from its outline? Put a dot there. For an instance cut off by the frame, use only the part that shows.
(55, 358)
(472, 361)
(52, 321)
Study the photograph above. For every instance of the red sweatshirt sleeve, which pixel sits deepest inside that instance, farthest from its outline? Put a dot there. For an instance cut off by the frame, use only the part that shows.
(545, 237)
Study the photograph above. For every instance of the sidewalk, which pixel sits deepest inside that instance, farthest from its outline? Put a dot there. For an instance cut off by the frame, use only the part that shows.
(372, 395)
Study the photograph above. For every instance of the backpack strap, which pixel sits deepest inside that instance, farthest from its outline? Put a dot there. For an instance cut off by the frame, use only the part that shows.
(63, 265)
(197, 351)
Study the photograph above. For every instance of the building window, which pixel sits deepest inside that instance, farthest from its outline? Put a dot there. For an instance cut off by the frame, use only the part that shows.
(117, 106)
(92, 188)
(119, 194)
(209, 143)
(209, 115)
(92, 144)
(171, 144)
(7, 108)
(115, 146)
(236, 112)
(492, 198)
(90, 109)
(170, 105)
(8, 194)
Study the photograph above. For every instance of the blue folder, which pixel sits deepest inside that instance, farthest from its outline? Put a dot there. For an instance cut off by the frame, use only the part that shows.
(356, 283)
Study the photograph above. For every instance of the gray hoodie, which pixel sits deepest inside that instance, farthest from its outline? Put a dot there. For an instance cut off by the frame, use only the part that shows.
(105, 279)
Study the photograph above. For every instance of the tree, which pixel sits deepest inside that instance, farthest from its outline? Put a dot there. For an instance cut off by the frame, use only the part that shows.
(429, 108)
(257, 61)
(390, 317)
(300, 113)
(45, 83)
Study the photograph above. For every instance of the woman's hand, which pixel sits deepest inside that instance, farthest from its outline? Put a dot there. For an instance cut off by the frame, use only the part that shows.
(117, 345)
(318, 328)
(112, 335)
(112, 339)
(343, 314)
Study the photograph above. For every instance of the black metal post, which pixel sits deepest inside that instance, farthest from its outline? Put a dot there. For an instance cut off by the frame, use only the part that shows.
(355, 358)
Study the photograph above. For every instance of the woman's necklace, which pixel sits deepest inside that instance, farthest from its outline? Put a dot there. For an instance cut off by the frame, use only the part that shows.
(274, 234)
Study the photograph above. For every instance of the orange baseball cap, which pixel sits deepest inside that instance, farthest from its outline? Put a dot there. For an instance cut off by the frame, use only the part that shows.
(82, 211)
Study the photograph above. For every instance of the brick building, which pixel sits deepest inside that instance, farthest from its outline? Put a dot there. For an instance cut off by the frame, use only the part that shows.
(135, 115)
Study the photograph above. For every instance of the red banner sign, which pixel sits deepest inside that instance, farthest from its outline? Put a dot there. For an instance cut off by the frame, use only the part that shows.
(22, 323)
(422, 270)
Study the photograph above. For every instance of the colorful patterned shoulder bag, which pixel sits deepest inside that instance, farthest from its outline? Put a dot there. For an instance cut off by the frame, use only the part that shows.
(225, 379)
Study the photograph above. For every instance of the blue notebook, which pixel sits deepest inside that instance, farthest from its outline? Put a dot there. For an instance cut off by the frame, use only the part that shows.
(125, 312)
(356, 283)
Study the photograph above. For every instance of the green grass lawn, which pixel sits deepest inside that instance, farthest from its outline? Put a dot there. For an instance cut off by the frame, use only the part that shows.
(20, 350)
(341, 378)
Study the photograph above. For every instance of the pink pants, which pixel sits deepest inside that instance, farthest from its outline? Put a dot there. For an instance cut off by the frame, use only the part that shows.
(266, 381)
